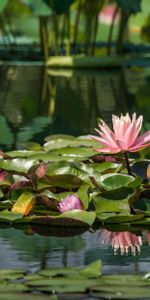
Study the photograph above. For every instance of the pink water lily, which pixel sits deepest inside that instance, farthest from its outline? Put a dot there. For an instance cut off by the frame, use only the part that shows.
(125, 135)
(69, 203)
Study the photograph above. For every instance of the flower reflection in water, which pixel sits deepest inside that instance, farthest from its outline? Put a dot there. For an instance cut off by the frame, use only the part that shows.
(122, 242)
(148, 237)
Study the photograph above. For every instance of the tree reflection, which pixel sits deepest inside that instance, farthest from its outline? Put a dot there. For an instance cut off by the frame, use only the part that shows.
(38, 101)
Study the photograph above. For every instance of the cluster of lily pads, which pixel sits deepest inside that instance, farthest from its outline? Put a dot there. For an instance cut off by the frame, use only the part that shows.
(72, 283)
(34, 183)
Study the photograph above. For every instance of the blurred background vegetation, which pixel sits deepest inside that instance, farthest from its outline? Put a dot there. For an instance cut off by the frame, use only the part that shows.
(75, 26)
(36, 101)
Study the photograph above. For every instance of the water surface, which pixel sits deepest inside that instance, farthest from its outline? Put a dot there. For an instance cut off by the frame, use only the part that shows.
(35, 102)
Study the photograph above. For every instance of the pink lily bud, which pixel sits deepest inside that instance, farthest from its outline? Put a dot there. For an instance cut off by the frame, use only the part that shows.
(69, 203)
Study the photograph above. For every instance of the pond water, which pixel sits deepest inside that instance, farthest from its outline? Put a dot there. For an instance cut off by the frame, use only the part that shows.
(35, 103)
(39, 248)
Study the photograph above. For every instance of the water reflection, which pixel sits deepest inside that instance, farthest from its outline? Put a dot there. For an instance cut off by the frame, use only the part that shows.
(36, 102)
(122, 242)
(37, 247)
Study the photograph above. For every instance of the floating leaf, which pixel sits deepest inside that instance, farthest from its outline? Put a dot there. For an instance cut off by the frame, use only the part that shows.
(115, 181)
(106, 167)
(22, 153)
(24, 204)
(8, 216)
(66, 168)
(60, 141)
(73, 218)
(12, 287)
(32, 146)
(82, 152)
(93, 270)
(113, 201)
(83, 195)
(115, 218)
(17, 165)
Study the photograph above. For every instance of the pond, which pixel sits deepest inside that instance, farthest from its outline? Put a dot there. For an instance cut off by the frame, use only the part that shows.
(36, 248)
(36, 102)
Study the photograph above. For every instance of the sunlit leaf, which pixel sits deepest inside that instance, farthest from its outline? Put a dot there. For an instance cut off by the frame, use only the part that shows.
(24, 204)
(17, 165)
(8, 216)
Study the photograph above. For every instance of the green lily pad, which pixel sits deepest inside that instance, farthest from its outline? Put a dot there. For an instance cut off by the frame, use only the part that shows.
(82, 152)
(113, 201)
(66, 168)
(61, 141)
(74, 217)
(22, 153)
(105, 167)
(83, 194)
(7, 216)
(114, 218)
(116, 181)
(17, 165)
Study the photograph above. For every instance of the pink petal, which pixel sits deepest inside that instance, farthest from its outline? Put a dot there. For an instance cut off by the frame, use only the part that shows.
(133, 131)
(130, 135)
(101, 140)
(69, 203)
(144, 138)
(139, 123)
(141, 142)
(120, 125)
(138, 147)
(109, 134)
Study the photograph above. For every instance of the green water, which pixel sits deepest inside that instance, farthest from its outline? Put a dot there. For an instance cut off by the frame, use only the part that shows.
(35, 104)
(36, 248)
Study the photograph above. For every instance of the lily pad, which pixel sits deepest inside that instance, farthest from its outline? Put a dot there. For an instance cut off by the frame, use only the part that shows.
(74, 217)
(115, 181)
(24, 204)
(17, 165)
(113, 201)
(7, 216)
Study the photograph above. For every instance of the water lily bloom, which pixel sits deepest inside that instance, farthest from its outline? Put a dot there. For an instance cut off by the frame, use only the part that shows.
(69, 203)
(122, 242)
(125, 135)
